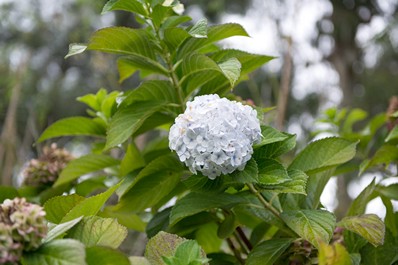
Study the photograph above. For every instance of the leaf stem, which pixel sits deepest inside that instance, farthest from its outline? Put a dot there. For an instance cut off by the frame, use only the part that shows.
(244, 238)
(266, 204)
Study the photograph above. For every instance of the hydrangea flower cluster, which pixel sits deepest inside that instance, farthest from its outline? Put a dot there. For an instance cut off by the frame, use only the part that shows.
(22, 228)
(215, 135)
(45, 170)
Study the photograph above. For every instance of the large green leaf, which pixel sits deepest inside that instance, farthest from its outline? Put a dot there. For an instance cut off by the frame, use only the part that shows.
(89, 206)
(385, 155)
(248, 175)
(381, 255)
(154, 182)
(315, 186)
(313, 225)
(132, 6)
(61, 229)
(100, 255)
(268, 251)
(369, 226)
(271, 172)
(296, 183)
(214, 34)
(57, 207)
(390, 191)
(152, 90)
(128, 120)
(270, 135)
(275, 149)
(84, 165)
(249, 61)
(73, 126)
(174, 37)
(323, 154)
(128, 65)
(132, 160)
(98, 231)
(334, 254)
(197, 202)
(358, 206)
(122, 40)
(57, 252)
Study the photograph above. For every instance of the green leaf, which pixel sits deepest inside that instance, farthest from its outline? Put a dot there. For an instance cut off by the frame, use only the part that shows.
(57, 252)
(160, 13)
(128, 65)
(89, 206)
(369, 226)
(390, 191)
(381, 255)
(312, 225)
(248, 175)
(271, 172)
(249, 61)
(197, 202)
(98, 231)
(334, 254)
(268, 252)
(199, 30)
(122, 40)
(132, 160)
(214, 34)
(174, 37)
(392, 135)
(76, 48)
(270, 135)
(73, 126)
(226, 227)
(273, 150)
(358, 206)
(132, 6)
(154, 182)
(57, 207)
(152, 90)
(324, 154)
(100, 255)
(385, 155)
(60, 230)
(353, 116)
(84, 165)
(207, 237)
(189, 252)
(391, 217)
(7, 193)
(231, 69)
(315, 185)
(296, 183)
(128, 120)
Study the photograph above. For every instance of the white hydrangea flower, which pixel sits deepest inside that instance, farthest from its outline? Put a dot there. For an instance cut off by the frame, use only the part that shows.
(215, 135)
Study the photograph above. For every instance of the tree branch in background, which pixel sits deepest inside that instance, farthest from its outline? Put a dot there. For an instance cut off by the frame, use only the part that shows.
(8, 137)
(284, 87)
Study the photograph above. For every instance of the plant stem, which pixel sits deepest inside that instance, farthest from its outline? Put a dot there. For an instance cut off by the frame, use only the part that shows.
(235, 251)
(243, 247)
(266, 204)
(242, 235)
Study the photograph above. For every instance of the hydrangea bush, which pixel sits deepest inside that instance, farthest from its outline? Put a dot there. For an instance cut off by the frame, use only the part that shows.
(213, 184)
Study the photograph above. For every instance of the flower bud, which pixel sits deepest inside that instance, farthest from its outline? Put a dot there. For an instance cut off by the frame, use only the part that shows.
(215, 135)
